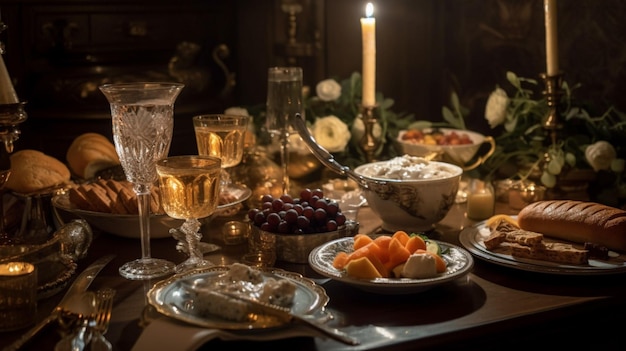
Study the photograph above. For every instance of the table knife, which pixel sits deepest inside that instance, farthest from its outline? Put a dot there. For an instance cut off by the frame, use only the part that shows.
(284, 314)
(79, 286)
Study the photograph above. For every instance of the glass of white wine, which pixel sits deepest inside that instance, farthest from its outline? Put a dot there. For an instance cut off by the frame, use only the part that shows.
(222, 135)
(143, 122)
(189, 187)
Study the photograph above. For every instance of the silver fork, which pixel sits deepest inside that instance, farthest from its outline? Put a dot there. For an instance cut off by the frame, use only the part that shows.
(101, 319)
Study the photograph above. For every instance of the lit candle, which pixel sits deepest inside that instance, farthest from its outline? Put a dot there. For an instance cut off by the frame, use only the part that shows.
(552, 43)
(368, 29)
(18, 295)
(481, 200)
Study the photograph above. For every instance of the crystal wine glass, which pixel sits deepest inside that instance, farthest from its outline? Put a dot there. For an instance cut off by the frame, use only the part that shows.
(284, 101)
(222, 135)
(189, 190)
(142, 132)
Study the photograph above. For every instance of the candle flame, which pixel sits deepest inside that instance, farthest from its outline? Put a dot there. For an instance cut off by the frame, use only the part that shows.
(369, 9)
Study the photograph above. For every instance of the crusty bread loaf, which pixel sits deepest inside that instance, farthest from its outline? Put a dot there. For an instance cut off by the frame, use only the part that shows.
(90, 153)
(576, 221)
(32, 171)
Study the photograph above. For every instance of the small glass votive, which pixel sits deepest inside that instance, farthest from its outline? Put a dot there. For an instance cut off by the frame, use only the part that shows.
(481, 200)
(523, 193)
(261, 248)
(18, 295)
(235, 232)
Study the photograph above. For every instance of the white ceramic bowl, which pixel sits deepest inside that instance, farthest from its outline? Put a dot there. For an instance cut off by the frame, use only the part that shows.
(459, 155)
(410, 205)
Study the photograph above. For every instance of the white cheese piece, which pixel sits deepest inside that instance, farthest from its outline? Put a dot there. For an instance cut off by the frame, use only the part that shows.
(419, 266)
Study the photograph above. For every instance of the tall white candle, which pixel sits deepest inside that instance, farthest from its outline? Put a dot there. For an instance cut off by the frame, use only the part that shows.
(552, 43)
(368, 29)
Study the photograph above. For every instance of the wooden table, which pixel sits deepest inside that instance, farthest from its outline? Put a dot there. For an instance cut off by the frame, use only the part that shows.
(494, 307)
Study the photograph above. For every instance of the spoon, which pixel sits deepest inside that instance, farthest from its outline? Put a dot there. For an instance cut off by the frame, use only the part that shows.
(326, 158)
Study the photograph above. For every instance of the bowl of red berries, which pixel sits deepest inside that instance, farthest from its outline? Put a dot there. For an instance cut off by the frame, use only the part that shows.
(300, 224)
(456, 146)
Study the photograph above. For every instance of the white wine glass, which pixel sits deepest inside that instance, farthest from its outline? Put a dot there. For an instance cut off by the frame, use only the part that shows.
(190, 188)
(222, 135)
(143, 122)
(284, 101)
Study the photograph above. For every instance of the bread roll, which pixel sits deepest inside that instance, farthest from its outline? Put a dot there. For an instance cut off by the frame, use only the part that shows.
(32, 171)
(576, 221)
(90, 153)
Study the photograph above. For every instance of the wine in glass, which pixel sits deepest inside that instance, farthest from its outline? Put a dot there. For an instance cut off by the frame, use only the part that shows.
(143, 122)
(284, 101)
(222, 136)
(190, 190)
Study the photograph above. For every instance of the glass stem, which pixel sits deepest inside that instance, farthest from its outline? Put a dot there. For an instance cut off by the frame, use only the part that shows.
(284, 159)
(143, 203)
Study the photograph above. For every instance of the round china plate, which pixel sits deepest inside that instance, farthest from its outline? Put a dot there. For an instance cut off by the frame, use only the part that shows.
(472, 239)
(459, 263)
(172, 298)
(127, 225)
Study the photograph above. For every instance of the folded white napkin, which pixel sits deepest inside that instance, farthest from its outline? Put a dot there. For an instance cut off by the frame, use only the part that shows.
(167, 334)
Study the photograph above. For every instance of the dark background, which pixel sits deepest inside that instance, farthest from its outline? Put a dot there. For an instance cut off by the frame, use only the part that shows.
(58, 52)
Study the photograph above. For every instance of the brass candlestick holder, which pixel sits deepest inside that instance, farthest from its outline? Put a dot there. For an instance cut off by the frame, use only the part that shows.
(369, 142)
(553, 93)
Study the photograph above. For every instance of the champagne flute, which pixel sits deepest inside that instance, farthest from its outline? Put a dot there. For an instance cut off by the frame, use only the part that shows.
(143, 122)
(190, 187)
(284, 101)
(222, 135)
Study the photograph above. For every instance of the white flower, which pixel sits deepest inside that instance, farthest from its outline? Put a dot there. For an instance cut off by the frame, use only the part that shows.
(600, 155)
(331, 133)
(237, 111)
(495, 110)
(328, 90)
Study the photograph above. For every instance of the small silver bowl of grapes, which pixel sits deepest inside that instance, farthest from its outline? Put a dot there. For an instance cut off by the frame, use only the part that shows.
(300, 224)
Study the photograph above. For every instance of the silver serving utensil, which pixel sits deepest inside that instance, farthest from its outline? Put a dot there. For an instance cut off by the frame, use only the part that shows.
(326, 158)
(77, 288)
(284, 314)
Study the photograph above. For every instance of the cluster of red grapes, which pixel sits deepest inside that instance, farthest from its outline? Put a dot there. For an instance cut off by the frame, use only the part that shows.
(310, 213)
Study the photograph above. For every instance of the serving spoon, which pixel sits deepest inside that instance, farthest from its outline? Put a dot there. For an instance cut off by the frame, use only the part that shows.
(326, 158)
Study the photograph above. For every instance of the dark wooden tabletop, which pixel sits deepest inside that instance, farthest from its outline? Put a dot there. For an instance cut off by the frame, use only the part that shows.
(491, 308)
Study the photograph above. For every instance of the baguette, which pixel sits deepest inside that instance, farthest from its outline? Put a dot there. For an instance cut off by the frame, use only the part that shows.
(576, 221)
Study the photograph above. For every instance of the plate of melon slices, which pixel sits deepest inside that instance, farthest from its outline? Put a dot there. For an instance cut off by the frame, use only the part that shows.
(458, 263)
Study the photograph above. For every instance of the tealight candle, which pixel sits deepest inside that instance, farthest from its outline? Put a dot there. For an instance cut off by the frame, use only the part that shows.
(368, 29)
(18, 295)
(481, 200)
(234, 232)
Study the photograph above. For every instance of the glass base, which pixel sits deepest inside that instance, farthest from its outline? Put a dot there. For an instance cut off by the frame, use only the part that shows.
(146, 268)
(192, 264)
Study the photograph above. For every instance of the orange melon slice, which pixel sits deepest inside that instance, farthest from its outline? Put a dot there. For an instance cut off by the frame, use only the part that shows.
(362, 268)
(402, 236)
(340, 260)
(397, 254)
(415, 242)
(361, 240)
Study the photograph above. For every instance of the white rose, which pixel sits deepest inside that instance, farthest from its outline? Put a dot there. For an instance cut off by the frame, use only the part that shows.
(600, 155)
(297, 145)
(328, 90)
(495, 110)
(237, 111)
(331, 133)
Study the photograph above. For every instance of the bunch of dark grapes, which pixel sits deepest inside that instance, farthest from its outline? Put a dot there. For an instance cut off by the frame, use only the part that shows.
(310, 213)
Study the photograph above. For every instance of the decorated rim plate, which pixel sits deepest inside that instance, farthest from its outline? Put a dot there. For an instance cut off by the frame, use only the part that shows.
(459, 263)
(472, 239)
(127, 225)
(172, 298)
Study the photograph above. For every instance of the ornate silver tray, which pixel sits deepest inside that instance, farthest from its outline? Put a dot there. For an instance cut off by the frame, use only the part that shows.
(172, 297)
